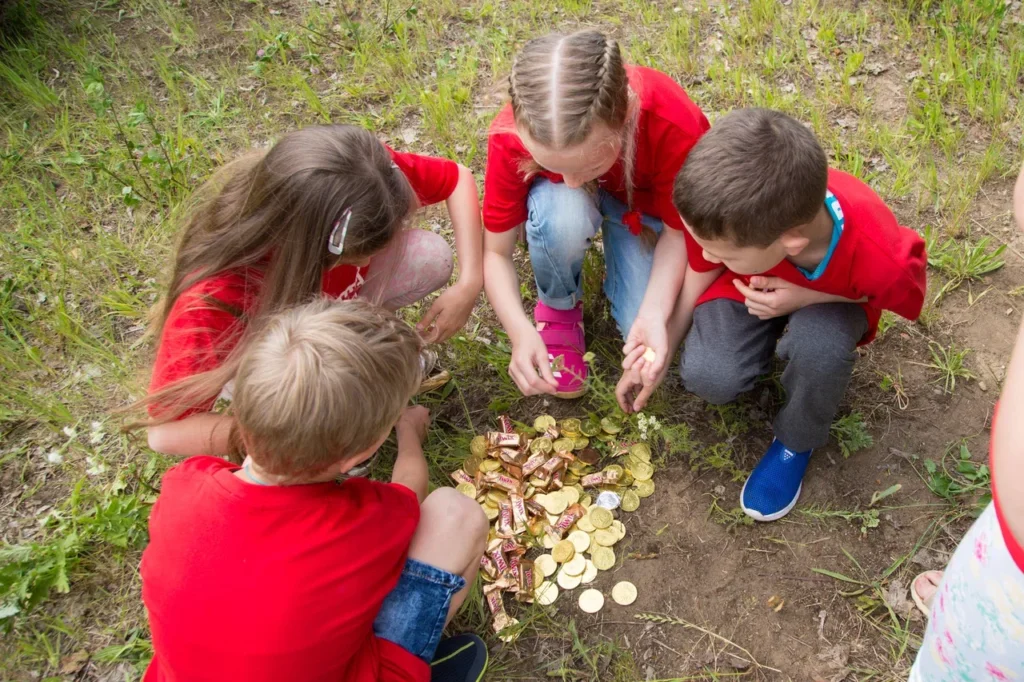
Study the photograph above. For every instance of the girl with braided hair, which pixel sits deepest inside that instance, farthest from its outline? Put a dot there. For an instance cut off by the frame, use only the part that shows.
(586, 143)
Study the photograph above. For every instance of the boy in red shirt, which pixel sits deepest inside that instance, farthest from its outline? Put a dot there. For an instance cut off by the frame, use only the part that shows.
(813, 256)
(275, 571)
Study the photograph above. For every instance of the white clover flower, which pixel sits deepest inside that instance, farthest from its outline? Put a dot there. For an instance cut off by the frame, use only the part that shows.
(70, 432)
(95, 467)
(54, 457)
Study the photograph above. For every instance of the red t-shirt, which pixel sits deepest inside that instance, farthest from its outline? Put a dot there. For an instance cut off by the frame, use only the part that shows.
(875, 258)
(263, 584)
(669, 125)
(205, 322)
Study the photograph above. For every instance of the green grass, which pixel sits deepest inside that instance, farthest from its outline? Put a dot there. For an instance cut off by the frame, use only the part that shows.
(950, 363)
(113, 111)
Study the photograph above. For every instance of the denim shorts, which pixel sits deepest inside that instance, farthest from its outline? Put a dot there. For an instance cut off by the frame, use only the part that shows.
(414, 613)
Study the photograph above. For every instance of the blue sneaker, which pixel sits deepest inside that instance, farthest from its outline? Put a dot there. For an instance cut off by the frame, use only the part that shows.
(774, 486)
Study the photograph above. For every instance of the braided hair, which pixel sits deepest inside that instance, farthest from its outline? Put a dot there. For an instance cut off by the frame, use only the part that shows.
(562, 85)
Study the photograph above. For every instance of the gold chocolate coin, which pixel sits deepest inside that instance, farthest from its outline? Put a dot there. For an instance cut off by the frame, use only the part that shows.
(569, 582)
(641, 451)
(541, 445)
(580, 442)
(478, 446)
(575, 566)
(543, 423)
(603, 557)
(571, 495)
(642, 471)
(545, 565)
(472, 464)
(570, 425)
(489, 465)
(546, 594)
(589, 573)
(610, 426)
(585, 525)
(563, 551)
(644, 488)
(624, 593)
(630, 501)
(618, 528)
(591, 601)
(562, 445)
(490, 512)
(580, 541)
(590, 428)
(600, 517)
(467, 489)
(605, 537)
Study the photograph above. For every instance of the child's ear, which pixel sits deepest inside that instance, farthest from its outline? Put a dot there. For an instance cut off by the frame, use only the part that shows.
(793, 241)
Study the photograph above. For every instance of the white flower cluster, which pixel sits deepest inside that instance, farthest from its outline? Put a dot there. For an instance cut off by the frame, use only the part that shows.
(647, 426)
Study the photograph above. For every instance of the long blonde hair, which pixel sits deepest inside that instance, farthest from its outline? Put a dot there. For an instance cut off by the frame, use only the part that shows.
(322, 382)
(274, 212)
(561, 85)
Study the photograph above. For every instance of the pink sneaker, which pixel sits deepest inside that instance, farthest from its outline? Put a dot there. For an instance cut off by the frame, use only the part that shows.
(562, 332)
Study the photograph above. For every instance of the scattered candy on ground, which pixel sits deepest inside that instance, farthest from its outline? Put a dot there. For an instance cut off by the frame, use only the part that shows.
(542, 490)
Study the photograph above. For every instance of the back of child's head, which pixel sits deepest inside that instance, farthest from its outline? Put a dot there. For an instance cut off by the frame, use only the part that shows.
(322, 382)
(756, 174)
(562, 85)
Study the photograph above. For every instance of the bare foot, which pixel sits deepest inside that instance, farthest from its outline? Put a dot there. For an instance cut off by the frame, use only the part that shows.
(924, 588)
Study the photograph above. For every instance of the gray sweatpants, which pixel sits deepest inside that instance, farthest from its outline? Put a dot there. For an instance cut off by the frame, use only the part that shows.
(727, 349)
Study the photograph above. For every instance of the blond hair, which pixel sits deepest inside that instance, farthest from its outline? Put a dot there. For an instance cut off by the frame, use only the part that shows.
(322, 382)
(561, 85)
(273, 212)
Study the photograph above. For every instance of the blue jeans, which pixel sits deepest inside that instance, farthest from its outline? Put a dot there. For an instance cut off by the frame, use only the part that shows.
(561, 226)
(414, 612)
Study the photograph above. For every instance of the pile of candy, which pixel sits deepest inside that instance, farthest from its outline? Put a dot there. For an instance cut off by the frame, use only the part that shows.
(542, 489)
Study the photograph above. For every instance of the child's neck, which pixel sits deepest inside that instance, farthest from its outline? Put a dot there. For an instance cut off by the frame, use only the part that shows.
(252, 474)
(819, 233)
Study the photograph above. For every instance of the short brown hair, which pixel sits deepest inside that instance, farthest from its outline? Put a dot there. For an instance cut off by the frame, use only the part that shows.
(754, 175)
(323, 381)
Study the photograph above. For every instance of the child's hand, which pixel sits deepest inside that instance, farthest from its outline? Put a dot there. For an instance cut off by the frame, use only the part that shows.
(634, 389)
(647, 336)
(769, 297)
(529, 354)
(448, 314)
(413, 423)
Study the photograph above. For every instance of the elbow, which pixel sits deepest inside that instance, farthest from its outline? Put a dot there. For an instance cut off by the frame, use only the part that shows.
(156, 438)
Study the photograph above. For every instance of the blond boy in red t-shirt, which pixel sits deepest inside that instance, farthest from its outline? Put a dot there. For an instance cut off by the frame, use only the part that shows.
(275, 571)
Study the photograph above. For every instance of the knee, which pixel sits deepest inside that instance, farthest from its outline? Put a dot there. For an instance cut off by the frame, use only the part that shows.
(433, 257)
(820, 345)
(457, 515)
(709, 380)
(567, 219)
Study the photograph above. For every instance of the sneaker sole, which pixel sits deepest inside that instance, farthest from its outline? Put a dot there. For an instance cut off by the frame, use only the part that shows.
(758, 516)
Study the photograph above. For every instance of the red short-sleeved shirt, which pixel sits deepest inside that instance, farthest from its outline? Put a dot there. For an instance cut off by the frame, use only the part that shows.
(207, 319)
(876, 258)
(263, 584)
(669, 125)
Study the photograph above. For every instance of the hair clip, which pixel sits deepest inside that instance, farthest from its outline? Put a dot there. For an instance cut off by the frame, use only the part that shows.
(336, 242)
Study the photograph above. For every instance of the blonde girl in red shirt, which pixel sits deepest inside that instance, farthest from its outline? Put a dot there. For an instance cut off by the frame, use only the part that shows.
(587, 143)
(325, 210)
